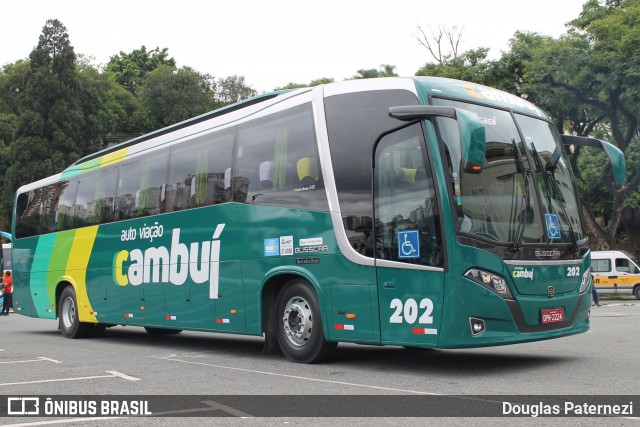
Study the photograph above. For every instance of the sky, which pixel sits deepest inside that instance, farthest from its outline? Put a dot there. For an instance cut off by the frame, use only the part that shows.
(275, 42)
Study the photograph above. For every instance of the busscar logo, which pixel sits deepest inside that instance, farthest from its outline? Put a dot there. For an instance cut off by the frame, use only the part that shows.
(554, 253)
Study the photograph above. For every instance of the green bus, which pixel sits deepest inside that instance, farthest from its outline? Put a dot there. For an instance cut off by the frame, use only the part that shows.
(418, 212)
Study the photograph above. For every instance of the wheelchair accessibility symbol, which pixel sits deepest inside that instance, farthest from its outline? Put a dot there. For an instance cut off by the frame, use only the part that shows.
(553, 226)
(409, 244)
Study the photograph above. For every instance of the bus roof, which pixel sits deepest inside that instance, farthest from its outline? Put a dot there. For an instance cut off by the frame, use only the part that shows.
(476, 93)
(424, 87)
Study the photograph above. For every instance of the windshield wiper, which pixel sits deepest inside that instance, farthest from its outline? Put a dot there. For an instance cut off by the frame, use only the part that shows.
(519, 234)
(552, 187)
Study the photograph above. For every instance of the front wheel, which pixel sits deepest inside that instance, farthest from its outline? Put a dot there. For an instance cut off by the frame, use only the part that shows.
(70, 325)
(299, 324)
(636, 291)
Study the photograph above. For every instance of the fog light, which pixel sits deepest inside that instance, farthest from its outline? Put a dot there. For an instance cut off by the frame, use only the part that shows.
(477, 326)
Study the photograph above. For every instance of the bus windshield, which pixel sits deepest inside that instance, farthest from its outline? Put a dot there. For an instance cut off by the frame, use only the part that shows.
(525, 168)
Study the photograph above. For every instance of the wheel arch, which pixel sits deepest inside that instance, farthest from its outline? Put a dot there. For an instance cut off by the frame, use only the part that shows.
(62, 283)
(273, 282)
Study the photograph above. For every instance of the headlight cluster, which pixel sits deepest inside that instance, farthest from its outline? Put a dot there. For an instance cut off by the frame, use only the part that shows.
(491, 281)
(586, 278)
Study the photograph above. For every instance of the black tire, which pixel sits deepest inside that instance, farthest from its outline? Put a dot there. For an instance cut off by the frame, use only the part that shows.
(69, 324)
(636, 291)
(162, 331)
(299, 324)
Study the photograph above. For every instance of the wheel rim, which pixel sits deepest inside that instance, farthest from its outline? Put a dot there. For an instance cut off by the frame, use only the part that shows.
(68, 312)
(298, 321)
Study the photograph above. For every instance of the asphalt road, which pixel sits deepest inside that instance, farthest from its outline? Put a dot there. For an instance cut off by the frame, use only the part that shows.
(36, 360)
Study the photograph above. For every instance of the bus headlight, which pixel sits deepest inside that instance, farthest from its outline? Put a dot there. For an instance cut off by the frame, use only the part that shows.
(586, 278)
(491, 281)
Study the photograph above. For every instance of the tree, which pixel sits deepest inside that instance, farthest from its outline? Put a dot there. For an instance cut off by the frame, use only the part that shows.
(316, 82)
(385, 70)
(57, 115)
(170, 96)
(442, 45)
(595, 68)
(117, 106)
(131, 69)
(232, 89)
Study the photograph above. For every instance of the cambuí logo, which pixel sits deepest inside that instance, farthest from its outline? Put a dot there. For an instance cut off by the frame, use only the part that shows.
(200, 261)
(522, 273)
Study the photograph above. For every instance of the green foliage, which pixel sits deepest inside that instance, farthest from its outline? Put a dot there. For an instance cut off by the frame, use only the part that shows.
(385, 70)
(232, 89)
(316, 82)
(170, 96)
(131, 69)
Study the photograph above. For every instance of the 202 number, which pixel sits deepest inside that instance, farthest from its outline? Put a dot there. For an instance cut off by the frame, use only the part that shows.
(573, 271)
(409, 310)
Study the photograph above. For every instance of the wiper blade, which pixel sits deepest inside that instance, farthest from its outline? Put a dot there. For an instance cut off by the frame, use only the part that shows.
(553, 191)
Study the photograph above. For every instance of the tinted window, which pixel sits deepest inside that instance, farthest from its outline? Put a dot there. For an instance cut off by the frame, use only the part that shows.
(197, 172)
(28, 212)
(58, 206)
(354, 121)
(140, 184)
(95, 197)
(278, 163)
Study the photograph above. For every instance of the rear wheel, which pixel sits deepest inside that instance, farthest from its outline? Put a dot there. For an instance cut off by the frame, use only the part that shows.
(299, 324)
(162, 331)
(70, 325)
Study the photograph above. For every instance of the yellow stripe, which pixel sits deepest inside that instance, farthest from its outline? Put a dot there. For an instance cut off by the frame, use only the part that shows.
(631, 279)
(114, 157)
(77, 268)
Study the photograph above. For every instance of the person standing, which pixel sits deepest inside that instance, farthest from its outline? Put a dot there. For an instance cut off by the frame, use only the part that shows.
(7, 283)
(594, 292)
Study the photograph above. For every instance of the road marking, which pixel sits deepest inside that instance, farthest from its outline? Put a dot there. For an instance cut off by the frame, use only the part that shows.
(39, 359)
(112, 374)
(253, 371)
(121, 375)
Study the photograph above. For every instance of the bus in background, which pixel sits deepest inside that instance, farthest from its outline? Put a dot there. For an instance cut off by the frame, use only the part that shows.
(615, 272)
(418, 212)
(6, 258)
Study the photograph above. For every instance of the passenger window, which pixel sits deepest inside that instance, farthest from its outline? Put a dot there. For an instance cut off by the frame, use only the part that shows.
(200, 172)
(95, 197)
(406, 220)
(277, 162)
(29, 211)
(140, 184)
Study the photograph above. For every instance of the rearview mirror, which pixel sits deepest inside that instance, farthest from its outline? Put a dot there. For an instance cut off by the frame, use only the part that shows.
(473, 139)
(616, 157)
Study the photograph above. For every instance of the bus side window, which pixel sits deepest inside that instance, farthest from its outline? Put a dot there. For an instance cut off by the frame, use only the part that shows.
(28, 214)
(198, 172)
(277, 161)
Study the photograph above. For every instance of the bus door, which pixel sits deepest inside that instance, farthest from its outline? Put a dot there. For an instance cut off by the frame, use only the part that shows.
(407, 241)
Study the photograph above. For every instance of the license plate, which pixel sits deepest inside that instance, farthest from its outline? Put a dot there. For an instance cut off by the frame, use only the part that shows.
(553, 315)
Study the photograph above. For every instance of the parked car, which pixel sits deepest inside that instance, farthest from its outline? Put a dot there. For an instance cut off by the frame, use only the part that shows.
(615, 272)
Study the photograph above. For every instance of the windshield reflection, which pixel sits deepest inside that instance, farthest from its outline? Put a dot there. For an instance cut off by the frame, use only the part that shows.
(501, 204)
